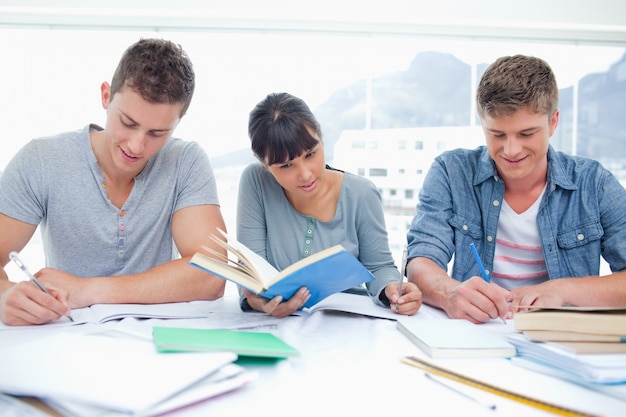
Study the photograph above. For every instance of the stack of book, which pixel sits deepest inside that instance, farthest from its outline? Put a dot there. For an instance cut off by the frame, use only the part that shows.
(583, 345)
(583, 330)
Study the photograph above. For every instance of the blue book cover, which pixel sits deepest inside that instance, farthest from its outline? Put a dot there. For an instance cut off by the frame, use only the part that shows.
(324, 273)
(337, 272)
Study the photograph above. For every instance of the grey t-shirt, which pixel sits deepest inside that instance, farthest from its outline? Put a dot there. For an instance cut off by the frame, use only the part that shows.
(55, 182)
(269, 225)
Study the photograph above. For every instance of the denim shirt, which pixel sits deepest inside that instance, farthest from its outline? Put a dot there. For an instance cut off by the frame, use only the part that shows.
(582, 215)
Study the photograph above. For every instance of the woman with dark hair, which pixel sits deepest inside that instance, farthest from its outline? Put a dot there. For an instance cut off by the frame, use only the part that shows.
(292, 204)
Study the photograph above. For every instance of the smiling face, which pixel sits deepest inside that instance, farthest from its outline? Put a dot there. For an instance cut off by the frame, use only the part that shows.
(518, 144)
(135, 129)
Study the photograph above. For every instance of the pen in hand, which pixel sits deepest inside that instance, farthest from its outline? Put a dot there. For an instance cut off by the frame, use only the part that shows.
(480, 263)
(15, 258)
(402, 274)
(481, 266)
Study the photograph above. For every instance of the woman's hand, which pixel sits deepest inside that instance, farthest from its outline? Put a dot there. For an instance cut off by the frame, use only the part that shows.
(276, 306)
(408, 302)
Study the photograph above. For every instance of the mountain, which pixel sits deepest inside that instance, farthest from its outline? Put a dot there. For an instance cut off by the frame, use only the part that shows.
(601, 113)
(234, 158)
(436, 91)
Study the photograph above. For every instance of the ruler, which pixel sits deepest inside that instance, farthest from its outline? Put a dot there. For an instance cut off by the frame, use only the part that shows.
(532, 402)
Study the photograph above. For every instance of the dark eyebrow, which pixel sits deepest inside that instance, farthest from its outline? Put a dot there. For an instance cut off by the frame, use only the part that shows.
(527, 130)
(317, 145)
(305, 152)
(281, 163)
(530, 129)
(128, 117)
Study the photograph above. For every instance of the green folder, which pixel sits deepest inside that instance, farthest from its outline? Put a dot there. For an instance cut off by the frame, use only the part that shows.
(250, 344)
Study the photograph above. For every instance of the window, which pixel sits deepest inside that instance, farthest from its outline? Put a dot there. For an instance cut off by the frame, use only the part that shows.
(378, 172)
(235, 69)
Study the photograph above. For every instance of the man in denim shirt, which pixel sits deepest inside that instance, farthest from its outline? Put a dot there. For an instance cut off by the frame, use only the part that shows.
(533, 214)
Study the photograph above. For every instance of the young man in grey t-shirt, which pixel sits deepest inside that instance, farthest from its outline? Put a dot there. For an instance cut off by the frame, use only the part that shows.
(116, 204)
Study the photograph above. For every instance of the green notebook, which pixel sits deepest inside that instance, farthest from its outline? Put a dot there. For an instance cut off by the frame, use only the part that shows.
(251, 344)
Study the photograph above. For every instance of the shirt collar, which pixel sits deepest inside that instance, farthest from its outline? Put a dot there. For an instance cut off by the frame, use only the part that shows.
(486, 168)
(557, 174)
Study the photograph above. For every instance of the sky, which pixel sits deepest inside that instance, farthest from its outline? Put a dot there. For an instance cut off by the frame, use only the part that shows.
(50, 80)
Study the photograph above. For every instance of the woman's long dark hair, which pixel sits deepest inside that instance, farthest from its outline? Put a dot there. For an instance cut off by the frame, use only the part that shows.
(280, 128)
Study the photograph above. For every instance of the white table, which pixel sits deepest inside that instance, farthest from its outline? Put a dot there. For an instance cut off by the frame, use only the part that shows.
(352, 364)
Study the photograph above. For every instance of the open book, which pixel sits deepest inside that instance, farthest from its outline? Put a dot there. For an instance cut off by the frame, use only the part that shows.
(324, 273)
(345, 302)
(102, 313)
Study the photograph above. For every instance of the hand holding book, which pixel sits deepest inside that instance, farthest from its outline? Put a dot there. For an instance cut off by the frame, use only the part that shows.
(324, 273)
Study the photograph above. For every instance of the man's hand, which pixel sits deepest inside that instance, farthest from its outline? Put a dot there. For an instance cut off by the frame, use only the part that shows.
(25, 304)
(477, 301)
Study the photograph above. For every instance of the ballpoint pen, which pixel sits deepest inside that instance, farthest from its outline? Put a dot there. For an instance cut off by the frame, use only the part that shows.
(489, 406)
(481, 267)
(480, 263)
(402, 274)
(15, 258)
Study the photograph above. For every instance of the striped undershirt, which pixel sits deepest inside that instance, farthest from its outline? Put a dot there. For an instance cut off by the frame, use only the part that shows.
(518, 259)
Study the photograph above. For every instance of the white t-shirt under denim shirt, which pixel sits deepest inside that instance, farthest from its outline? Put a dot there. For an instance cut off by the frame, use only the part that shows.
(518, 260)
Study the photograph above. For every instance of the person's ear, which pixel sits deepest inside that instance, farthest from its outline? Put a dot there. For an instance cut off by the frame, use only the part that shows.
(554, 121)
(105, 94)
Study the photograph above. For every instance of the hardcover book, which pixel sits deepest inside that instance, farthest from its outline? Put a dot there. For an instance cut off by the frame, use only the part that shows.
(591, 320)
(323, 273)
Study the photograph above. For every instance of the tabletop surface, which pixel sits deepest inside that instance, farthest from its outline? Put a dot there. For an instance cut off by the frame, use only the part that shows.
(353, 362)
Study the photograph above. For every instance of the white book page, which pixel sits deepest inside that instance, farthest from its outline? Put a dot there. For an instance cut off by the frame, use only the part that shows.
(263, 268)
(66, 369)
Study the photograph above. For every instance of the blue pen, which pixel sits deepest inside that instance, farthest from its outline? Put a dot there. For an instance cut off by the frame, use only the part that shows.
(482, 269)
(480, 263)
